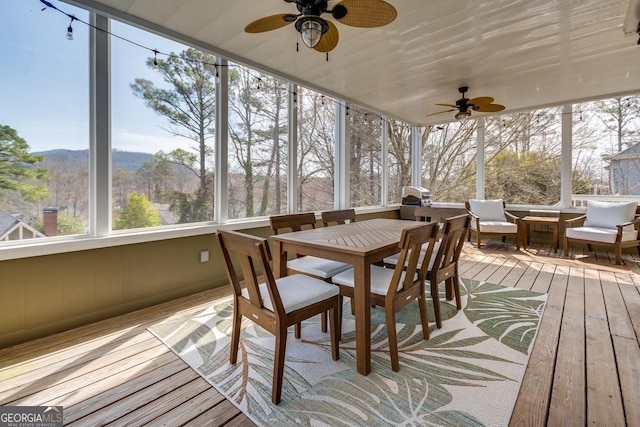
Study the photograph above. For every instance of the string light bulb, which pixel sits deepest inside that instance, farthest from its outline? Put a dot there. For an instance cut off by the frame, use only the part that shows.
(155, 59)
(217, 75)
(70, 29)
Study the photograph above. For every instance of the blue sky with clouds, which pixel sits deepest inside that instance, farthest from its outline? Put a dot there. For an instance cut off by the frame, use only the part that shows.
(44, 80)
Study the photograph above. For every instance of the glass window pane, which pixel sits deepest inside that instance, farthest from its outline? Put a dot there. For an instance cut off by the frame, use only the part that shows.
(316, 148)
(258, 135)
(449, 161)
(44, 123)
(163, 135)
(399, 140)
(522, 157)
(606, 152)
(365, 147)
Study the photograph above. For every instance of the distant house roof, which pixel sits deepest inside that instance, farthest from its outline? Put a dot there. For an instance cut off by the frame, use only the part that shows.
(9, 223)
(633, 152)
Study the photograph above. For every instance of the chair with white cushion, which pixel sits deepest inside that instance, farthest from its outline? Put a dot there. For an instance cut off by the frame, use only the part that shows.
(489, 217)
(394, 288)
(274, 304)
(444, 263)
(610, 224)
(313, 266)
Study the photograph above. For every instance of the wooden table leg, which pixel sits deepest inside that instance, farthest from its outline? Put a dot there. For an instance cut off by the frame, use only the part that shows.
(556, 238)
(362, 302)
(526, 234)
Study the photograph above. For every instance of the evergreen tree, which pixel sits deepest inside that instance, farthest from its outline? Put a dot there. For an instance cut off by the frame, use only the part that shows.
(137, 213)
(16, 171)
(189, 105)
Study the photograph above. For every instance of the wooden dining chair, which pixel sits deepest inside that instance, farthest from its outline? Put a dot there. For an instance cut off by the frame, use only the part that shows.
(274, 304)
(341, 216)
(310, 265)
(395, 288)
(444, 262)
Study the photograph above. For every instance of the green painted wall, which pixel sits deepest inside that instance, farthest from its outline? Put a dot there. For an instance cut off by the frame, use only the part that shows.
(40, 296)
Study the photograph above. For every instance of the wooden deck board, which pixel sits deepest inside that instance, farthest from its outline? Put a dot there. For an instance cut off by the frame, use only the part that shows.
(533, 400)
(604, 403)
(568, 395)
(584, 367)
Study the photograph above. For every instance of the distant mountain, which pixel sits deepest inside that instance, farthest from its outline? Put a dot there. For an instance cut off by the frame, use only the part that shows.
(129, 160)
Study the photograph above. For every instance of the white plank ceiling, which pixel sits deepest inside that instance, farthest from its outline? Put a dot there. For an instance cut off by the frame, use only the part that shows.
(524, 53)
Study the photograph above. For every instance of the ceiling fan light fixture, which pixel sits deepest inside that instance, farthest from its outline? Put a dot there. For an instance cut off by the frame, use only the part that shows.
(463, 116)
(311, 29)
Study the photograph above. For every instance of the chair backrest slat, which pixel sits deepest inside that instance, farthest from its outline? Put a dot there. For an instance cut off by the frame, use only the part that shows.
(338, 216)
(292, 222)
(453, 235)
(251, 252)
(411, 242)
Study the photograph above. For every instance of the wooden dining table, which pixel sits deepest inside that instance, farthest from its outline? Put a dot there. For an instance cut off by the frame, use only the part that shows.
(360, 244)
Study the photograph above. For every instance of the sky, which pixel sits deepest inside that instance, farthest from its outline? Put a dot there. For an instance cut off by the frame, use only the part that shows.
(44, 80)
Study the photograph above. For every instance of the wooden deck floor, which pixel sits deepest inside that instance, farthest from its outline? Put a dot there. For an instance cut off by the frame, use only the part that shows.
(584, 369)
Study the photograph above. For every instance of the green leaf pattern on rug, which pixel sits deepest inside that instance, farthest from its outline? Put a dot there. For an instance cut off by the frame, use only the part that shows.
(508, 315)
(432, 373)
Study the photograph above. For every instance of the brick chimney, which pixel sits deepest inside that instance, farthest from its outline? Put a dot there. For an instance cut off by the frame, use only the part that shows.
(50, 221)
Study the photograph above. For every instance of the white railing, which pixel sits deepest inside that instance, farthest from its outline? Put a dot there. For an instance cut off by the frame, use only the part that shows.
(580, 200)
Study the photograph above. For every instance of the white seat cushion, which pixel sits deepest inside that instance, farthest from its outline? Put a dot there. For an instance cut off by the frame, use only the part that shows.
(496, 227)
(599, 234)
(380, 279)
(609, 214)
(318, 267)
(393, 259)
(296, 291)
(488, 210)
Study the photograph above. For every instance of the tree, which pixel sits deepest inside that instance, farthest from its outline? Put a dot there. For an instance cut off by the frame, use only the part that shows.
(189, 105)
(316, 143)
(399, 134)
(137, 213)
(16, 167)
(257, 132)
(365, 148)
(620, 116)
(158, 177)
(449, 161)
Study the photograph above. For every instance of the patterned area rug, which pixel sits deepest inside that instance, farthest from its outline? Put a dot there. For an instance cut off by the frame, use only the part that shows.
(468, 373)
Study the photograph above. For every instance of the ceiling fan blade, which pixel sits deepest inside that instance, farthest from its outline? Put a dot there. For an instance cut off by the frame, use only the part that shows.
(367, 13)
(440, 112)
(481, 100)
(489, 108)
(447, 105)
(268, 23)
(329, 39)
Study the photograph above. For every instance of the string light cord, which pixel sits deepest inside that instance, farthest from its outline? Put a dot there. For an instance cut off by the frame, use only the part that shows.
(348, 107)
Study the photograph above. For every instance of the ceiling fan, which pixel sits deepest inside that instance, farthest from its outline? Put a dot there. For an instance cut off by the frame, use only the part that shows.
(319, 33)
(465, 106)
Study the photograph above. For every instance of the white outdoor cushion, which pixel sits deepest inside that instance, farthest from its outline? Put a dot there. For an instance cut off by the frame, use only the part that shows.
(599, 234)
(296, 291)
(488, 210)
(380, 279)
(393, 259)
(496, 227)
(609, 214)
(319, 267)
